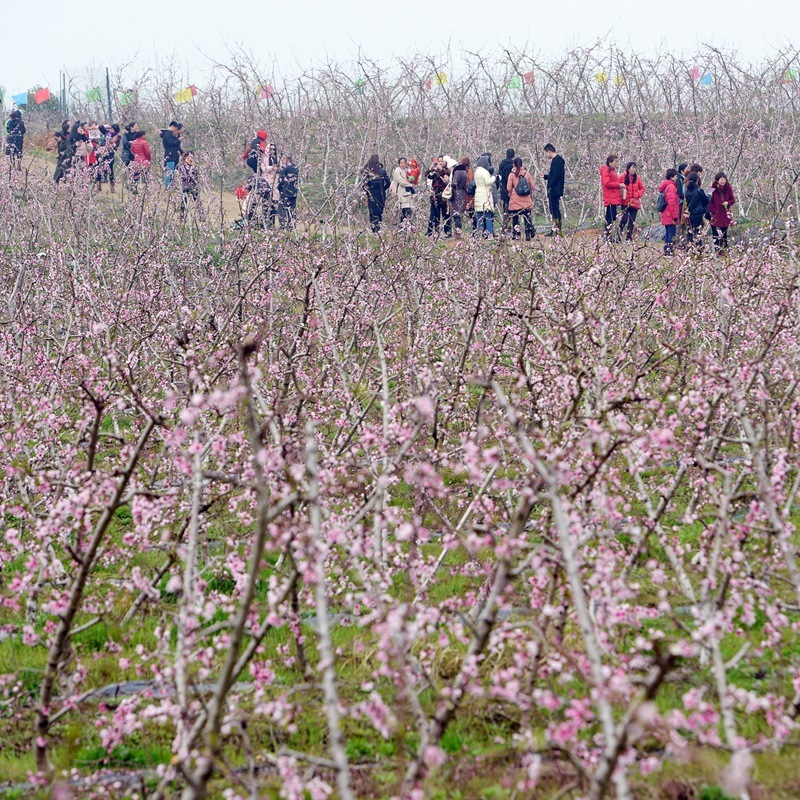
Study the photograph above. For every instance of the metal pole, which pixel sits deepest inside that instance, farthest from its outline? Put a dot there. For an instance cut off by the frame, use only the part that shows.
(108, 94)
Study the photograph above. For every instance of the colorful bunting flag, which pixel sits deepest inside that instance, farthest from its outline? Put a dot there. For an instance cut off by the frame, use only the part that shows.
(441, 78)
(125, 98)
(707, 79)
(42, 96)
(514, 83)
(359, 86)
(528, 77)
(619, 80)
(20, 99)
(695, 73)
(94, 95)
(601, 77)
(185, 95)
(429, 83)
(789, 76)
(266, 92)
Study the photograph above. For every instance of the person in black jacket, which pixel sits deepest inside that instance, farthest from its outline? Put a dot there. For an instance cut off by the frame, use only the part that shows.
(15, 134)
(506, 165)
(696, 207)
(65, 152)
(171, 139)
(287, 188)
(125, 156)
(375, 183)
(555, 186)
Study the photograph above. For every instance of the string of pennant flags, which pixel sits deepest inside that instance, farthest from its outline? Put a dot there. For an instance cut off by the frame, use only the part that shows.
(267, 92)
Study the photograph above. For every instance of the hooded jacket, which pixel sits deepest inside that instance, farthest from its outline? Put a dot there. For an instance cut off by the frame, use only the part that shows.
(484, 186)
(670, 214)
(720, 215)
(696, 203)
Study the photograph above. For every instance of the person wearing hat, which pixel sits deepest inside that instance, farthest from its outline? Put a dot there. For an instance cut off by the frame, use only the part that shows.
(256, 150)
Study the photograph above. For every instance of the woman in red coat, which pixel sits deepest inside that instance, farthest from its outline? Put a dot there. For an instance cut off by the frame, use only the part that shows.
(611, 184)
(672, 210)
(722, 199)
(632, 202)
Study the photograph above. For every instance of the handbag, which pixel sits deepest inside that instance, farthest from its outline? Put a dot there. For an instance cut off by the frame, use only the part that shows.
(447, 194)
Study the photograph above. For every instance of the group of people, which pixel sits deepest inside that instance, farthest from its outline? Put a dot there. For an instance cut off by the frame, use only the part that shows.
(457, 191)
(90, 150)
(682, 204)
(271, 192)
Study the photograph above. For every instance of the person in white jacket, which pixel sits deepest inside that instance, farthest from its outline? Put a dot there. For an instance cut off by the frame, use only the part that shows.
(403, 189)
(484, 196)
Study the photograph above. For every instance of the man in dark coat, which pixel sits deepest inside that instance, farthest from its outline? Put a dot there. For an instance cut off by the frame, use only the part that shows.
(506, 165)
(15, 134)
(555, 186)
(171, 139)
(287, 187)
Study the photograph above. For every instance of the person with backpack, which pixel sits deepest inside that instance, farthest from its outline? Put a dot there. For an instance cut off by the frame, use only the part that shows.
(722, 200)
(555, 186)
(612, 186)
(484, 196)
(15, 137)
(287, 190)
(171, 140)
(438, 180)
(520, 204)
(632, 202)
(506, 165)
(375, 182)
(669, 207)
(697, 207)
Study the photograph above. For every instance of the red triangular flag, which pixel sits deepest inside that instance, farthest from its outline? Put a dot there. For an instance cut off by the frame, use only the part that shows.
(429, 83)
(528, 77)
(41, 96)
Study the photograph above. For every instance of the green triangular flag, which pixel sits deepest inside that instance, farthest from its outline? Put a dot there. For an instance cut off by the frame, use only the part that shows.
(515, 83)
(93, 95)
(125, 99)
(359, 86)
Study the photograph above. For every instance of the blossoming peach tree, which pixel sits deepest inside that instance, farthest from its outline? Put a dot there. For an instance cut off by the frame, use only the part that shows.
(299, 507)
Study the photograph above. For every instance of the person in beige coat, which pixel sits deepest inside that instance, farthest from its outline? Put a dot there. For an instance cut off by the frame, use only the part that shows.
(403, 189)
(484, 196)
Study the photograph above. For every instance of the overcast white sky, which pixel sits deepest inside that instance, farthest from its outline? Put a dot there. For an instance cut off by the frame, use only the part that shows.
(47, 35)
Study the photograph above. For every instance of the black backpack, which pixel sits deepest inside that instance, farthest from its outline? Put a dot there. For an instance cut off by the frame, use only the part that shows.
(661, 202)
(471, 187)
(523, 187)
